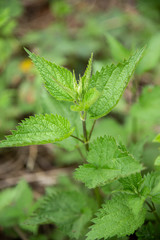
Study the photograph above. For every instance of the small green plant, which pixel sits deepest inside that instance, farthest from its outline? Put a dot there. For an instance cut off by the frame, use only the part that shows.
(117, 197)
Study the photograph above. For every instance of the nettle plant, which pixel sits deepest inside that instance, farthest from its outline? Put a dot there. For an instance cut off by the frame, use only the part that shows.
(97, 211)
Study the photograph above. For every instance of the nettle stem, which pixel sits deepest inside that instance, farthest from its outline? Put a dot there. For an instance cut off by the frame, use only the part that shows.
(153, 210)
(77, 138)
(86, 141)
(81, 154)
(83, 118)
(85, 135)
(90, 134)
(20, 233)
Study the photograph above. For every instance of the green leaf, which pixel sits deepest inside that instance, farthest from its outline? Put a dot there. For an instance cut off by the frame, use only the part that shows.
(107, 161)
(157, 162)
(51, 105)
(157, 138)
(111, 81)
(151, 56)
(120, 216)
(69, 210)
(58, 80)
(148, 232)
(15, 204)
(40, 129)
(89, 99)
(132, 183)
(87, 75)
(137, 149)
(145, 114)
(118, 51)
(151, 186)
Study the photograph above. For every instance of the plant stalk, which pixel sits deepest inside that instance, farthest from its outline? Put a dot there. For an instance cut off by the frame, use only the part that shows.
(20, 233)
(153, 210)
(96, 190)
(85, 135)
(77, 138)
(90, 134)
(81, 154)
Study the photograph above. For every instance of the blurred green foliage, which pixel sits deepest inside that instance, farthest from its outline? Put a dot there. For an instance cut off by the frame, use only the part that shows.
(15, 205)
(9, 11)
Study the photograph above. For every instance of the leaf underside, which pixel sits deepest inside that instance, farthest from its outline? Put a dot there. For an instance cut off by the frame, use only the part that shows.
(120, 216)
(111, 81)
(40, 129)
(107, 161)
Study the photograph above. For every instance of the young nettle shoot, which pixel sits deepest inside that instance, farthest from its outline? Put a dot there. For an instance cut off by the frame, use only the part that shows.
(80, 213)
